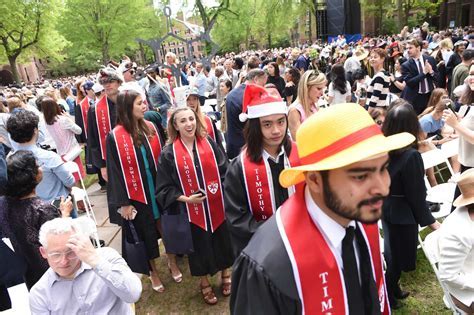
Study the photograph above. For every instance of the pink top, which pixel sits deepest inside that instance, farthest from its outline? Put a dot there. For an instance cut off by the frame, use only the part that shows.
(63, 132)
(300, 109)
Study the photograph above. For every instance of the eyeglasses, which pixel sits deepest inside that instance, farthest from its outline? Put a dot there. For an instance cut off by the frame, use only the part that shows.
(57, 256)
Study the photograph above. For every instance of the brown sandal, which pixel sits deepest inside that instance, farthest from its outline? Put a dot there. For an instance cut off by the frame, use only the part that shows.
(208, 295)
(226, 285)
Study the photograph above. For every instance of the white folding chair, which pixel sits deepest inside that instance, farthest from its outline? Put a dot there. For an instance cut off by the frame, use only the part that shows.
(442, 193)
(431, 250)
(450, 149)
(81, 194)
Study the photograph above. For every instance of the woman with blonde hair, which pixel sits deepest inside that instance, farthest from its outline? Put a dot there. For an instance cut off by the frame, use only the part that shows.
(310, 88)
(189, 182)
(66, 94)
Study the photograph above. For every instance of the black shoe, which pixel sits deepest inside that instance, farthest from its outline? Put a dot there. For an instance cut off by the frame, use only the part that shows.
(394, 304)
(400, 294)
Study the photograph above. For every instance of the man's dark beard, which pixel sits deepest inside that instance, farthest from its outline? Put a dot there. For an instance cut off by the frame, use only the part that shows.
(335, 204)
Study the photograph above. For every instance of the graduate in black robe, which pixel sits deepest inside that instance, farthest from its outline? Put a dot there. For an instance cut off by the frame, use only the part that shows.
(94, 155)
(267, 150)
(147, 216)
(212, 249)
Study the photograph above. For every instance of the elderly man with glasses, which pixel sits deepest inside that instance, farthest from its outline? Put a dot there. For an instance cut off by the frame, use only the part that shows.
(81, 279)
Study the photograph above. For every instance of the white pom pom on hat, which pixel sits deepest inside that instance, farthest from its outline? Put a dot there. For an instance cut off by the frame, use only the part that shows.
(259, 102)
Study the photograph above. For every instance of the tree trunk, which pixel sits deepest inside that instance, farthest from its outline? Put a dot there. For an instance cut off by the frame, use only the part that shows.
(310, 31)
(269, 39)
(458, 10)
(14, 70)
(400, 14)
(105, 53)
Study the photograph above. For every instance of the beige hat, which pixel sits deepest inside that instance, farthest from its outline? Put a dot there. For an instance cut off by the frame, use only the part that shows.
(466, 185)
(361, 53)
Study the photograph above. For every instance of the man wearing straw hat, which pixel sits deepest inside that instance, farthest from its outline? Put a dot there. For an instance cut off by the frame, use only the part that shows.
(305, 259)
(456, 246)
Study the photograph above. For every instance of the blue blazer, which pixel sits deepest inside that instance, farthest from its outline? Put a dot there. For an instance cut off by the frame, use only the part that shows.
(412, 77)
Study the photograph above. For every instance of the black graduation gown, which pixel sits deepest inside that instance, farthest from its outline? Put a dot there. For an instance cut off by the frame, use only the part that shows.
(117, 196)
(94, 156)
(242, 224)
(212, 251)
(262, 276)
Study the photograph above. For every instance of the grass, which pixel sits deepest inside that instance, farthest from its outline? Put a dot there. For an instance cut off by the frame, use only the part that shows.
(179, 298)
(426, 296)
(89, 179)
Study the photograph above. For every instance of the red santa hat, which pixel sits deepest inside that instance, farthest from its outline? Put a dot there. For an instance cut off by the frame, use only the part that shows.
(260, 102)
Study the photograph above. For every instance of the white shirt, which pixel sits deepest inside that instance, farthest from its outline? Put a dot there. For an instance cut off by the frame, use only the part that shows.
(332, 231)
(456, 255)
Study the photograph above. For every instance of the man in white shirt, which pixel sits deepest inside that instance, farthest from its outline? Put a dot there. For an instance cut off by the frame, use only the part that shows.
(81, 279)
(456, 246)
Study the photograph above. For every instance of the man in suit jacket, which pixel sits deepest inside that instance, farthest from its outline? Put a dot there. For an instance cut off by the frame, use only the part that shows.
(419, 73)
(235, 138)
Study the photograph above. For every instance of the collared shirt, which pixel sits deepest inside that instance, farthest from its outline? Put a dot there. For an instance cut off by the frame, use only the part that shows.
(109, 288)
(201, 84)
(331, 230)
(57, 179)
(424, 81)
(266, 155)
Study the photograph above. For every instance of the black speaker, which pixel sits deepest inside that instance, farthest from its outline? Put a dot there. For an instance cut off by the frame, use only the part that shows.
(335, 17)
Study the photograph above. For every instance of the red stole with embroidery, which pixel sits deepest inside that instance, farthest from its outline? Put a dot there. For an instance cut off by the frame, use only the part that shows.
(259, 183)
(129, 162)
(190, 184)
(84, 108)
(102, 116)
(209, 128)
(317, 275)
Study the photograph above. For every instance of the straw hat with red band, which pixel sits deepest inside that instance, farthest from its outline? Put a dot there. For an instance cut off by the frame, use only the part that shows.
(465, 183)
(260, 102)
(337, 136)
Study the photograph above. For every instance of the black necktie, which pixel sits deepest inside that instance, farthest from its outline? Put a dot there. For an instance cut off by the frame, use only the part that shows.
(351, 274)
(369, 289)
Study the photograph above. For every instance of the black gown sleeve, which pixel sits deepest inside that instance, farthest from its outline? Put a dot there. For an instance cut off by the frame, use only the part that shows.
(241, 222)
(221, 157)
(262, 276)
(116, 191)
(81, 138)
(168, 187)
(93, 144)
(415, 189)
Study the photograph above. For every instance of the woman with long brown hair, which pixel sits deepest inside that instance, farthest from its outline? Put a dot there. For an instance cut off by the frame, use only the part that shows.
(189, 180)
(133, 148)
(63, 130)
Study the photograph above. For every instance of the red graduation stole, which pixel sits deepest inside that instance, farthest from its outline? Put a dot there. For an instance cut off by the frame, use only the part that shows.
(259, 184)
(102, 117)
(209, 128)
(129, 163)
(317, 275)
(190, 185)
(84, 108)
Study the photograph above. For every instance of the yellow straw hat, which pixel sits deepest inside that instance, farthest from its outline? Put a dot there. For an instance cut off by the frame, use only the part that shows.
(337, 136)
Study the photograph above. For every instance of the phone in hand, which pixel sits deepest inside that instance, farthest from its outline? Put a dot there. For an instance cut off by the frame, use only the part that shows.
(201, 191)
(56, 203)
(450, 105)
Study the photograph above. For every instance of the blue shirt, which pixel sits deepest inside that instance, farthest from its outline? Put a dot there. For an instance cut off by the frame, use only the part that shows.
(57, 179)
(201, 83)
(429, 125)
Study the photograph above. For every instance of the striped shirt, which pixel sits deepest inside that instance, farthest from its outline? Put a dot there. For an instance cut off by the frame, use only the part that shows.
(378, 90)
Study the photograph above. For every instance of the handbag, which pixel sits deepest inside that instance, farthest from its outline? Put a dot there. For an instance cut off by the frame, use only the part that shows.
(73, 153)
(133, 249)
(177, 236)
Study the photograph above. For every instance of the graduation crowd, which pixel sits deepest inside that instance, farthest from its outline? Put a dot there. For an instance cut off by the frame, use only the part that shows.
(270, 168)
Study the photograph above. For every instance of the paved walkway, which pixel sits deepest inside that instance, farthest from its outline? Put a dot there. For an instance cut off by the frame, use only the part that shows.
(110, 233)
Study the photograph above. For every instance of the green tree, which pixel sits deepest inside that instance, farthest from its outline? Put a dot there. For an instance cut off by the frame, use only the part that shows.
(103, 29)
(28, 27)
